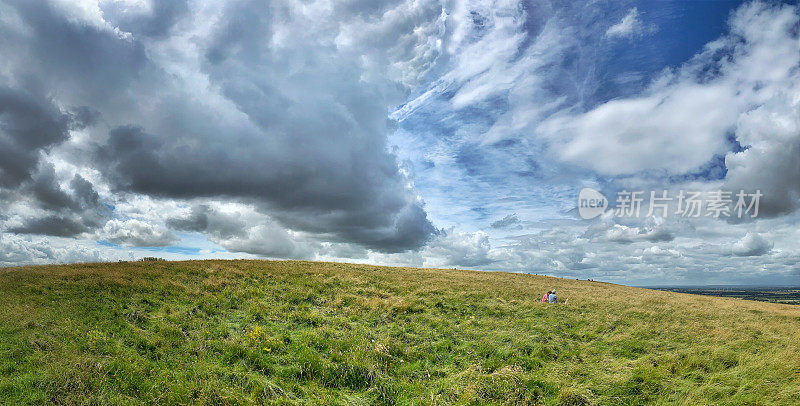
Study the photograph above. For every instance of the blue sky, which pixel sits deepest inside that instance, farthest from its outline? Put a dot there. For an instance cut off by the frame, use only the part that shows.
(509, 168)
(420, 133)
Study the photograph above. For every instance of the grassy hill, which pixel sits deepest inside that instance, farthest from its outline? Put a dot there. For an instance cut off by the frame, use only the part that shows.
(259, 332)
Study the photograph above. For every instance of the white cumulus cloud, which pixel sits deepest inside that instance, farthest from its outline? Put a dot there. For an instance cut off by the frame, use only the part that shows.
(752, 244)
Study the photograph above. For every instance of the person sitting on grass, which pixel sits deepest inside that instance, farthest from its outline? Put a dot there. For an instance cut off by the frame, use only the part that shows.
(551, 297)
(546, 296)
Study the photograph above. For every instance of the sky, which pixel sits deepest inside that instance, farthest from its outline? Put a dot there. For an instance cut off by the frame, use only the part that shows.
(453, 134)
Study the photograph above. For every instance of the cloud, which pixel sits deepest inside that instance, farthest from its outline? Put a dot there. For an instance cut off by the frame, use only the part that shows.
(684, 117)
(752, 244)
(658, 251)
(238, 228)
(29, 123)
(653, 229)
(18, 250)
(506, 221)
(770, 163)
(152, 20)
(48, 205)
(48, 192)
(55, 225)
(137, 233)
(629, 27)
(267, 240)
(461, 249)
(294, 126)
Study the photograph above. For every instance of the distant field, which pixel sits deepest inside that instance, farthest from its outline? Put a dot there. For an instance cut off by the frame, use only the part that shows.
(289, 332)
(773, 295)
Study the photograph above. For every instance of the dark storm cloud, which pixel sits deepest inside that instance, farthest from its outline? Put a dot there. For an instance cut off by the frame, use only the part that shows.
(298, 130)
(196, 221)
(84, 64)
(315, 157)
(84, 116)
(29, 122)
(64, 212)
(80, 198)
(48, 192)
(49, 64)
(203, 218)
(770, 164)
(85, 194)
(53, 225)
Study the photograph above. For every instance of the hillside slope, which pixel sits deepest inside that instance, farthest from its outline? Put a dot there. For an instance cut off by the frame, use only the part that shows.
(289, 332)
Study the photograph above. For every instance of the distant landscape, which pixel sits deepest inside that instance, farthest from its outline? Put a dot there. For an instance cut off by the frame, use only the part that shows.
(787, 295)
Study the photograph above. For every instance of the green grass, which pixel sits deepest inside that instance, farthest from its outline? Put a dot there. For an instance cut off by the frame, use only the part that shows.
(260, 332)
